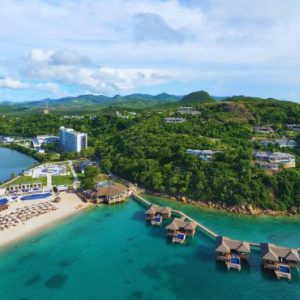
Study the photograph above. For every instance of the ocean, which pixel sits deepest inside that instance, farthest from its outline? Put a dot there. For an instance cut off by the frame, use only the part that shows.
(111, 253)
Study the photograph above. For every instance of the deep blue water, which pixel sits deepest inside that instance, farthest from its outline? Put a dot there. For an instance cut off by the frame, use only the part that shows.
(110, 253)
(12, 161)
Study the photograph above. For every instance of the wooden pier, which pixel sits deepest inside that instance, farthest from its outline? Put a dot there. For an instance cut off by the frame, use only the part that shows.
(198, 224)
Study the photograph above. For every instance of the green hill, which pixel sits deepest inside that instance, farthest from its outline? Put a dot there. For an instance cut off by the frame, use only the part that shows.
(197, 98)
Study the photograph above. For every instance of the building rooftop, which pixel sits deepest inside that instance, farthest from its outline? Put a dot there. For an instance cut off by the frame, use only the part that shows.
(180, 223)
(155, 209)
(226, 245)
(274, 253)
(110, 191)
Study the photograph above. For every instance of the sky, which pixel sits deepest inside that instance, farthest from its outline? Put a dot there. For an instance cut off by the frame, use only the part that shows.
(53, 49)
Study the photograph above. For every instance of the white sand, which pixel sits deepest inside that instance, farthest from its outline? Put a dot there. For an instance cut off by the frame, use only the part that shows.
(68, 206)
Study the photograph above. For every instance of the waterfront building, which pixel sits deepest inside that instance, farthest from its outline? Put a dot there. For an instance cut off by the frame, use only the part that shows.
(231, 251)
(39, 140)
(268, 130)
(187, 110)
(279, 259)
(174, 120)
(206, 155)
(156, 210)
(72, 141)
(293, 126)
(274, 160)
(110, 194)
(6, 139)
(179, 225)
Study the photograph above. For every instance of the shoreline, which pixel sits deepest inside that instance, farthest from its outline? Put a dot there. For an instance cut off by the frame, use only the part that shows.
(243, 209)
(67, 208)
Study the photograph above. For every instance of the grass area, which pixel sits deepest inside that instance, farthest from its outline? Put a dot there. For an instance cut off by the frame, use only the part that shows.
(56, 180)
(62, 180)
(28, 179)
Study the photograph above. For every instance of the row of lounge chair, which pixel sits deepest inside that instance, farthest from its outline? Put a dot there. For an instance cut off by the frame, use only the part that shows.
(20, 215)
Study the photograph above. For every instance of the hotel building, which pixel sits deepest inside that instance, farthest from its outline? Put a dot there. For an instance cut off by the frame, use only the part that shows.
(72, 141)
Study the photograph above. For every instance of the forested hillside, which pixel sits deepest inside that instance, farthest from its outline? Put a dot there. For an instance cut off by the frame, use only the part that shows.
(145, 149)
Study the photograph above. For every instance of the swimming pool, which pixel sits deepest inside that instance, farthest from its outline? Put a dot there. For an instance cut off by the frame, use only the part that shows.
(284, 269)
(3, 201)
(235, 260)
(36, 196)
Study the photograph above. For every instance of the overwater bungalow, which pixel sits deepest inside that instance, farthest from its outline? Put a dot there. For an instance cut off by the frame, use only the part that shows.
(279, 259)
(231, 252)
(178, 229)
(110, 194)
(156, 213)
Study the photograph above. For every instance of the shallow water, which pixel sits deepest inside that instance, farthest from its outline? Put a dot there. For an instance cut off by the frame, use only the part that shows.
(110, 253)
(12, 161)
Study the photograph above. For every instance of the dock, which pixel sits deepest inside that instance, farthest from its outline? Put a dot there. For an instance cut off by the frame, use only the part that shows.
(202, 227)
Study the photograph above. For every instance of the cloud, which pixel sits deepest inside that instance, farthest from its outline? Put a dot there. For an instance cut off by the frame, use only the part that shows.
(152, 27)
(13, 84)
(54, 68)
(149, 43)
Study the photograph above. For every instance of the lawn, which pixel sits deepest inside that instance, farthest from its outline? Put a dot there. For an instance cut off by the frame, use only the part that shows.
(28, 179)
(62, 180)
(56, 180)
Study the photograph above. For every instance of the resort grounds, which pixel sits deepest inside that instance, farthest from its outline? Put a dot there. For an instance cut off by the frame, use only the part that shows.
(69, 205)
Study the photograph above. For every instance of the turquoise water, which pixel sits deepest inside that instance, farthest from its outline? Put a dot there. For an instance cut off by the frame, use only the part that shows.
(110, 253)
(12, 161)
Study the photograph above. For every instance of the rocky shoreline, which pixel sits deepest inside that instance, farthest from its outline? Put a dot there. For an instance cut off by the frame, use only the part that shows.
(244, 209)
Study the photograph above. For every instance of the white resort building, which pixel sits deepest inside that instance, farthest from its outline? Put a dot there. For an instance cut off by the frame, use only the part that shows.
(268, 130)
(174, 120)
(282, 143)
(293, 126)
(39, 140)
(72, 141)
(274, 160)
(187, 110)
(206, 155)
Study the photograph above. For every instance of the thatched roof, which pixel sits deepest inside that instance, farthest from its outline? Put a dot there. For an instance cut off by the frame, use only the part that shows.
(274, 253)
(109, 191)
(181, 224)
(155, 209)
(226, 245)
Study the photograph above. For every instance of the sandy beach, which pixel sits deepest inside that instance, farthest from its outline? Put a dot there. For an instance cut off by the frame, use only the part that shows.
(69, 205)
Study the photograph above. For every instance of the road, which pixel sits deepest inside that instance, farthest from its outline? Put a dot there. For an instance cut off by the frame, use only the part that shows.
(76, 181)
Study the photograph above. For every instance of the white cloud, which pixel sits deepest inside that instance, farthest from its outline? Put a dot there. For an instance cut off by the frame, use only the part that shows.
(143, 40)
(13, 84)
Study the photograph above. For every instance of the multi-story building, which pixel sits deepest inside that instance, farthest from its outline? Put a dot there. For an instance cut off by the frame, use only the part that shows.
(274, 160)
(282, 143)
(72, 141)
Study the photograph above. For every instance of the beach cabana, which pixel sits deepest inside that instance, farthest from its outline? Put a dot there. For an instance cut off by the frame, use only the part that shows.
(182, 226)
(231, 251)
(156, 210)
(279, 259)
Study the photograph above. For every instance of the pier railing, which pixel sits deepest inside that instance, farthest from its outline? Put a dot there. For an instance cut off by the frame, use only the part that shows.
(198, 224)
